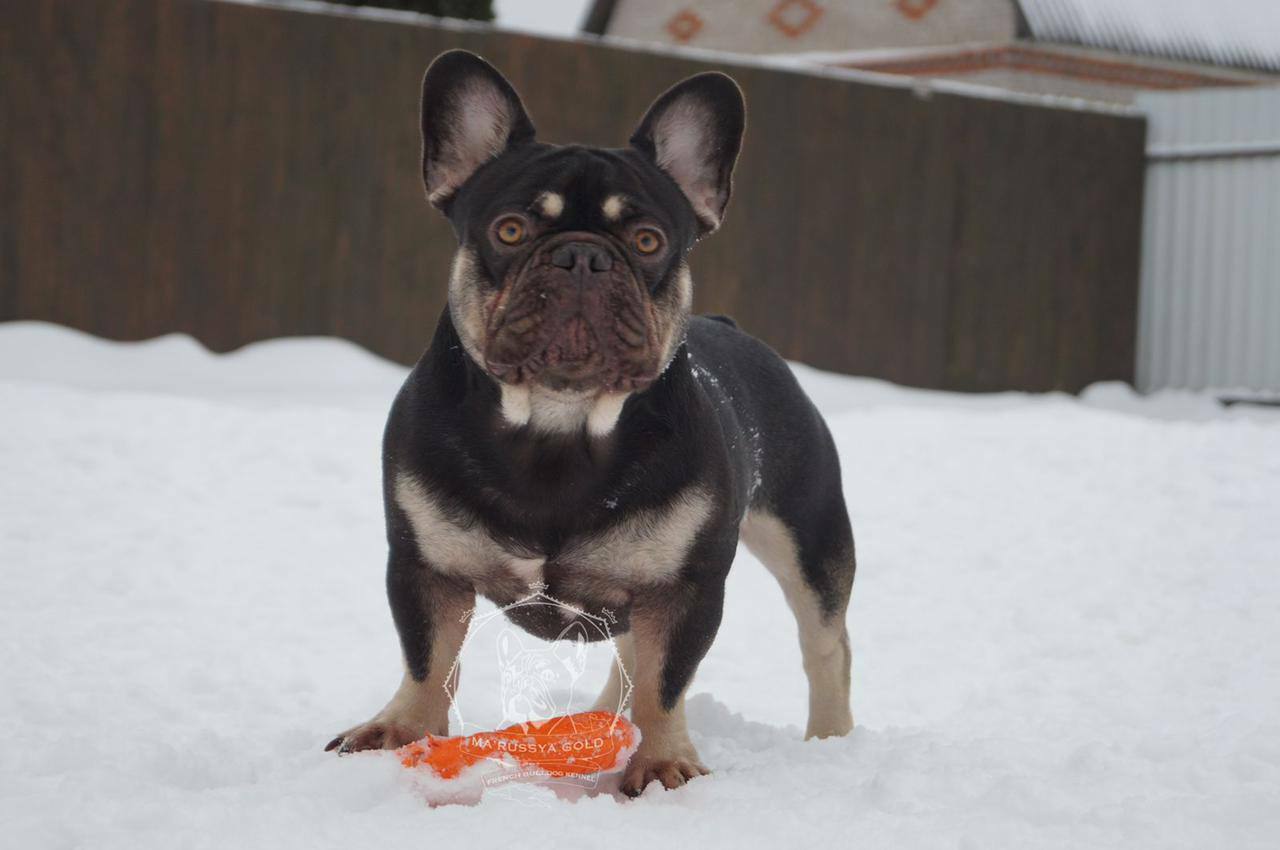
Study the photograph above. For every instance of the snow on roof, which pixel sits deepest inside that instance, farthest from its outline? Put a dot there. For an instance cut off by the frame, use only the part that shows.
(1242, 33)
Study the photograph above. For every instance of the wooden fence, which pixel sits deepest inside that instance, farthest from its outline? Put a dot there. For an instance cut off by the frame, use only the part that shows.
(239, 172)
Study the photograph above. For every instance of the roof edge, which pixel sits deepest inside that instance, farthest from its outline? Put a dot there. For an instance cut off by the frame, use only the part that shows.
(599, 16)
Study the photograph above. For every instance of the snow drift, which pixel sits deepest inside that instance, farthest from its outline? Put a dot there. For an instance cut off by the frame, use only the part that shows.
(1064, 622)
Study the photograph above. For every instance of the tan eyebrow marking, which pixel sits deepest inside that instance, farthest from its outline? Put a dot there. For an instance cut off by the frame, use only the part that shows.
(613, 207)
(551, 204)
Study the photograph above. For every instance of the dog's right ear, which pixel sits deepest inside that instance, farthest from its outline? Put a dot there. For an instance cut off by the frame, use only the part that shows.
(470, 114)
(509, 646)
(693, 132)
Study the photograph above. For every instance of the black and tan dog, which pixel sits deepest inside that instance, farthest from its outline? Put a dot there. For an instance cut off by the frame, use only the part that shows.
(571, 425)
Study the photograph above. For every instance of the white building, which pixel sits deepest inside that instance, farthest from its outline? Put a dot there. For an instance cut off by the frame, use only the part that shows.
(1205, 72)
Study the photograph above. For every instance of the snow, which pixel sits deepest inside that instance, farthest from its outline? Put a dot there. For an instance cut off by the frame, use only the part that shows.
(1064, 622)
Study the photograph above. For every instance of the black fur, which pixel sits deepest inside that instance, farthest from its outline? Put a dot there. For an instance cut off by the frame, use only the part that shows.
(727, 413)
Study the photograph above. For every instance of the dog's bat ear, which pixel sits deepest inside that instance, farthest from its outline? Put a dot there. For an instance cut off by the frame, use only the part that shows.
(470, 114)
(509, 645)
(693, 132)
(574, 657)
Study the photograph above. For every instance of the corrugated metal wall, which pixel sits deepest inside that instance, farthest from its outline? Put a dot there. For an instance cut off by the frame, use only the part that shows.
(1241, 33)
(1209, 308)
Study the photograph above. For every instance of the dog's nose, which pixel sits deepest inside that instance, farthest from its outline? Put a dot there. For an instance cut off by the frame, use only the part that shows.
(584, 255)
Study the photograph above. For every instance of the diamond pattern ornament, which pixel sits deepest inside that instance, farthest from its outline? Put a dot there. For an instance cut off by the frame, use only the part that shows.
(794, 18)
(914, 10)
(684, 26)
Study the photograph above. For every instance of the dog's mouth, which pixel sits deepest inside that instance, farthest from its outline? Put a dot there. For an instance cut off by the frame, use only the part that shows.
(574, 317)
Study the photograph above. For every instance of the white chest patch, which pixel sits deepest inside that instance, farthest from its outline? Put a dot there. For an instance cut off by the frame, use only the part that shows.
(561, 413)
(647, 547)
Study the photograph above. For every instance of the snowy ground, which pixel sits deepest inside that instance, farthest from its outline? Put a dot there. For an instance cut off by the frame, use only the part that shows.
(1064, 622)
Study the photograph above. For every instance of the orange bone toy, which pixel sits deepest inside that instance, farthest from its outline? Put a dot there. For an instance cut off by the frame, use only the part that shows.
(568, 745)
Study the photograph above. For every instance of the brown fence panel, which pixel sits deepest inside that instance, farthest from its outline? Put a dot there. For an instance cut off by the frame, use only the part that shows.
(239, 172)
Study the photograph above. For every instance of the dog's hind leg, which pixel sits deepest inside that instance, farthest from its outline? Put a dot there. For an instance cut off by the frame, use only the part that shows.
(816, 580)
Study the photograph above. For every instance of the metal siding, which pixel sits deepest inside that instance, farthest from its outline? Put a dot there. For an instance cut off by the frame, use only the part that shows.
(1242, 33)
(1209, 307)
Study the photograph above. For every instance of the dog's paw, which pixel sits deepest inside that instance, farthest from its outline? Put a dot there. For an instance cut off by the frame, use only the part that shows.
(671, 772)
(829, 727)
(374, 735)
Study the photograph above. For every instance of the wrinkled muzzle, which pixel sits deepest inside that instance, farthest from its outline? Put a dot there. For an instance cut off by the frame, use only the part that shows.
(574, 317)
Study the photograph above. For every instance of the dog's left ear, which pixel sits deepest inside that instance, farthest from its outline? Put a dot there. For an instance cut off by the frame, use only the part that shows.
(693, 132)
(470, 114)
(573, 657)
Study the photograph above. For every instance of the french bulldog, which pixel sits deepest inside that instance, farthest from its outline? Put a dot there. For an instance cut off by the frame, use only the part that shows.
(538, 682)
(573, 428)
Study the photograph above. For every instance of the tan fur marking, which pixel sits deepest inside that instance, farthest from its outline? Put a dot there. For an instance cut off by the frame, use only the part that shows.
(648, 547)
(613, 207)
(672, 314)
(551, 204)
(604, 413)
(824, 642)
(418, 708)
(452, 544)
(666, 753)
(516, 406)
(554, 412)
(466, 305)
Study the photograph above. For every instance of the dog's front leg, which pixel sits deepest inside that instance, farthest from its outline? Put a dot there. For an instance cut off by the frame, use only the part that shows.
(430, 614)
(670, 639)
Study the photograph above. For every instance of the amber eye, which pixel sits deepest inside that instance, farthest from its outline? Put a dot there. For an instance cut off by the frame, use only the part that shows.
(510, 230)
(646, 241)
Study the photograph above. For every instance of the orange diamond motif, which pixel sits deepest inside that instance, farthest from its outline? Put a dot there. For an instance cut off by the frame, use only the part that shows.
(683, 26)
(795, 17)
(915, 9)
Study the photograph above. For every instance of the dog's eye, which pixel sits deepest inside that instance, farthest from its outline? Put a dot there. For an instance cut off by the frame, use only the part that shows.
(646, 241)
(510, 230)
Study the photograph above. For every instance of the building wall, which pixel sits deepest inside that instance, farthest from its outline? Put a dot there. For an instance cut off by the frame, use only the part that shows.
(1229, 33)
(1210, 297)
(240, 172)
(801, 25)
(1030, 82)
